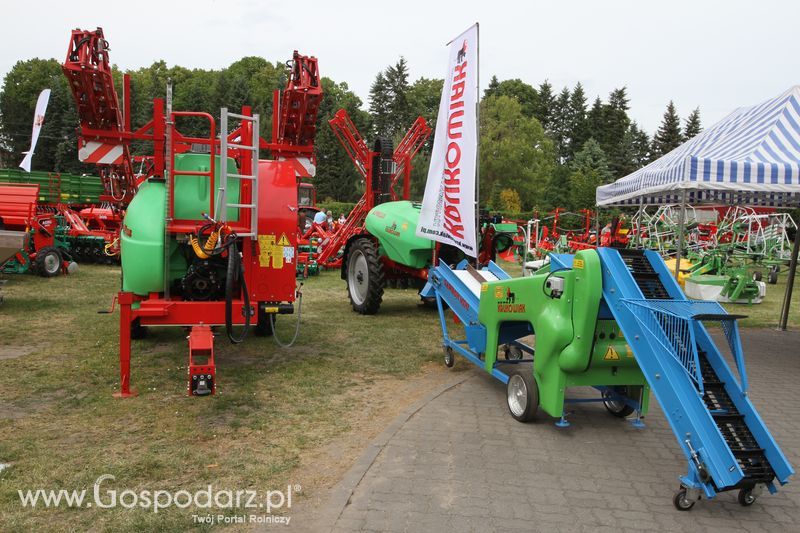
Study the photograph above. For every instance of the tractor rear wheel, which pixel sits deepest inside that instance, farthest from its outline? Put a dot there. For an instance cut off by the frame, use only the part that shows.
(48, 262)
(364, 277)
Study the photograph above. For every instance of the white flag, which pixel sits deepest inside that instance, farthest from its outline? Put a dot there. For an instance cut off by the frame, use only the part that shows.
(38, 121)
(448, 207)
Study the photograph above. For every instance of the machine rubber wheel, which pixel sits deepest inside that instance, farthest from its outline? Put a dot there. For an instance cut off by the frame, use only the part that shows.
(680, 502)
(48, 262)
(512, 353)
(772, 277)
(757, 275)
(616, 407)
(364, 277)
(449, 357)
(138, 331)
(522, 396)
(746, 497)
(263, 324)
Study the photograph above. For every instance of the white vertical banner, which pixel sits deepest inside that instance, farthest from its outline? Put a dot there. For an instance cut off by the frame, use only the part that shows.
(448, 207)
(38, 121)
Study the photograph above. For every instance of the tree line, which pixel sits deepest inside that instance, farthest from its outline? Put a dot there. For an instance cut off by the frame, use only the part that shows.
(540, 148)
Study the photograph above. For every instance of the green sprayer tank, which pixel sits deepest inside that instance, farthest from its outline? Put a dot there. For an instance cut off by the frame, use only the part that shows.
(142, 240)
(395, 226)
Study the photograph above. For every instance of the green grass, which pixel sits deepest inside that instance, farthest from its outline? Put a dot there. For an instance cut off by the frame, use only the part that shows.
(61, 428)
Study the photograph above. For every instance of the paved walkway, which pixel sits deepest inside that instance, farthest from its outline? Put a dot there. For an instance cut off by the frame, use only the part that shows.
(461, 463)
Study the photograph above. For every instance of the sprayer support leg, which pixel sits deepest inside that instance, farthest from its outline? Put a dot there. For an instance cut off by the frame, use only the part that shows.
(125, 301)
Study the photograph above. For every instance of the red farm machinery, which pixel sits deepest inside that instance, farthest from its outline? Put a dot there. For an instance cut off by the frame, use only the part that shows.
(209, 237)
(386, 172)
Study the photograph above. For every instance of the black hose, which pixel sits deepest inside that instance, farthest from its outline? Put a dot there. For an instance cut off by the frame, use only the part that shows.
(234, 265)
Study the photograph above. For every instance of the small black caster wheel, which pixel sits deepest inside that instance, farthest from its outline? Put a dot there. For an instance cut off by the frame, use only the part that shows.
(757, 275)
(512, 353)
(449, 357)
(746, 497)
(681, 502)
(772, 277)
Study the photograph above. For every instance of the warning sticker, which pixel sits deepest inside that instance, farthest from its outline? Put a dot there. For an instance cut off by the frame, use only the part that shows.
(498, 292)
(578, 263)
(273, 253)
(611, 354)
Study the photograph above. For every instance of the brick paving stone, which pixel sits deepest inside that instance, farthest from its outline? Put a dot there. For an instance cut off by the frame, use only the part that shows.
(461, 463)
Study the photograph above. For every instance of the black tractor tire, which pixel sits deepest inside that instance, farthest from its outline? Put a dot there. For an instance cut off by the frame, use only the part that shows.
(757, 275)
(365, 278)
(264, 324)
(49, 262)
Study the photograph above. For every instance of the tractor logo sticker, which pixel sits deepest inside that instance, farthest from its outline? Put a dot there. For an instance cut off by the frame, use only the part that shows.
(509, 303)
(578, 263)
(274, 252)
(611, 354)
(392, 230)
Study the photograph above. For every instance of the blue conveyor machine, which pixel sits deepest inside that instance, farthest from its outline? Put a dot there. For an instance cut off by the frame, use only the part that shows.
(618, 321)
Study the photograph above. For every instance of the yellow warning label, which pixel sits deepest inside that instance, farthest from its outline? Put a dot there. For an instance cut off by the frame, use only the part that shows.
(611, 354)
(628, 350)
(578, 263)
(484, 287)
(270, 253)
(498, 292)
(283, 241)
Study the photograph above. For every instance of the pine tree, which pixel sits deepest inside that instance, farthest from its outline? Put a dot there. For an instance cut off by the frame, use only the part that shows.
(379, 101)
(668, 137)
(692, 126)
(595, 121)
(545, 107)
(635, 149)
(399, 112)
(491, 90)
(616, 122)
(560, 125)
(578, 128)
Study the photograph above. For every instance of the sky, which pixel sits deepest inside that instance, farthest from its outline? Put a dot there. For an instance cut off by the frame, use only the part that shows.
(715, 55)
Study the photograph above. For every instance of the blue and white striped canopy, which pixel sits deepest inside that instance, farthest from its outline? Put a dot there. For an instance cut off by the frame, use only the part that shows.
(751, 157)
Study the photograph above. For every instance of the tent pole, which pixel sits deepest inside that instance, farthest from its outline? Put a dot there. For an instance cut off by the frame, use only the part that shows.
(639, 224)
(597, 227)
(681, 224)
(787, 297)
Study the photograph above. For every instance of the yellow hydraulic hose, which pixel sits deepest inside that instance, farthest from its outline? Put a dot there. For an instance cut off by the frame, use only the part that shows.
(211, 242)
